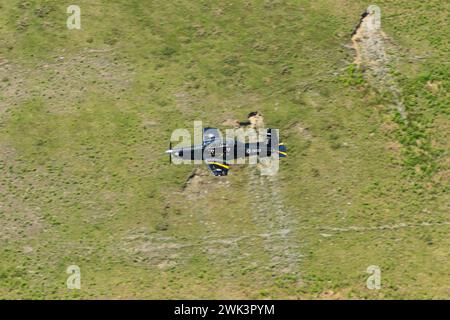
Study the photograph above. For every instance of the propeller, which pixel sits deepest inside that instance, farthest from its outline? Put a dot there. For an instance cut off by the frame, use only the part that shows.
(170, 153)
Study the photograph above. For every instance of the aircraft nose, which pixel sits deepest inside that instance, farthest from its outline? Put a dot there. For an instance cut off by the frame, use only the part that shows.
(169, 151)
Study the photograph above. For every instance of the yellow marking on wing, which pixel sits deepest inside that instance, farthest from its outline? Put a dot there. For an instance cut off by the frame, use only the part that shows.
(283, 153)
(220, 164)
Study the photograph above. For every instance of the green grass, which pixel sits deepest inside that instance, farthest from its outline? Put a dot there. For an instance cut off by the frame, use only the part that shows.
(84, 179)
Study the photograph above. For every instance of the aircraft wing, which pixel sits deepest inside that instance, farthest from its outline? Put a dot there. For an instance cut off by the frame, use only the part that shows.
(218, 167)
(210, 135)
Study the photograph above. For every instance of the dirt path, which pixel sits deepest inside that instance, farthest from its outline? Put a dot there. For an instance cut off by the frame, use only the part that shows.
(271, 215)
(169, 251)
(277, 223)
(369, 43)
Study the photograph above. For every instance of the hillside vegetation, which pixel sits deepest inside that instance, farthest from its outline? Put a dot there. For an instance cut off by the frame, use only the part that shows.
(86, 115)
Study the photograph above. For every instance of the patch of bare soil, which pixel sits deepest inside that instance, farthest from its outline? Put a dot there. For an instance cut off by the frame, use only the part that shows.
(196, 185)
(231, 123)
(369, 43)
(256, 120)
(201, 183)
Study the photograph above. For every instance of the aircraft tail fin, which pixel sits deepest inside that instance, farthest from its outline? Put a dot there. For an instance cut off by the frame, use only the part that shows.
(273, 143)
(272, 137)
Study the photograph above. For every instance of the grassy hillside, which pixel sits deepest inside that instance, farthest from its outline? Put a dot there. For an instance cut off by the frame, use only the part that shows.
(85, 117)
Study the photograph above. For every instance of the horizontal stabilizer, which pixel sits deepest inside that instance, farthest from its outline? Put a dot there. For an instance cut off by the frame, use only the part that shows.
(282, 150)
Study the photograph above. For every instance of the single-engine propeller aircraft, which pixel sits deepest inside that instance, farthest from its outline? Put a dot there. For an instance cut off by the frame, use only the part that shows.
(218, 152)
